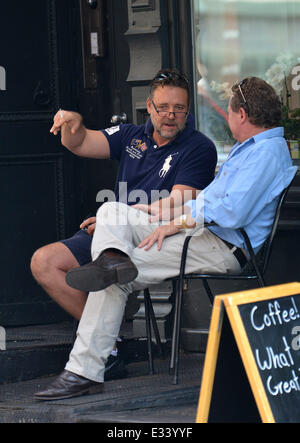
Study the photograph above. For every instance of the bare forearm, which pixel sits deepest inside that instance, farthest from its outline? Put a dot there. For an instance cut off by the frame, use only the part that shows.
(73, 141)
(179, 195)
(77, 138)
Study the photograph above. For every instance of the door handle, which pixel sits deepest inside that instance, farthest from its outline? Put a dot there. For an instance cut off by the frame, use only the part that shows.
(119, 119)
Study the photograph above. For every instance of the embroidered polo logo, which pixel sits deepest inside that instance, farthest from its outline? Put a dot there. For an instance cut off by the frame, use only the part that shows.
(166, 167)
(136, 149)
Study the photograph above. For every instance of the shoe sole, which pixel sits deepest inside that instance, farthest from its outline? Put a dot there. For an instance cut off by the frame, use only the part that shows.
(91, 283)
(89, 391)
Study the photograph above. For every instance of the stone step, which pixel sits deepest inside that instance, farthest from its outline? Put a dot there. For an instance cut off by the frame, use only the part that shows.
(35, 351)
(138, 398)
(40, 351)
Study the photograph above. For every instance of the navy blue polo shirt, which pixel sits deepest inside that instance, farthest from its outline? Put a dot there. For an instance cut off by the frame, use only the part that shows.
(188, 160)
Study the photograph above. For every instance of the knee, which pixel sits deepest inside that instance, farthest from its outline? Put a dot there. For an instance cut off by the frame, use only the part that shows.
(40, 263)
(110, 209)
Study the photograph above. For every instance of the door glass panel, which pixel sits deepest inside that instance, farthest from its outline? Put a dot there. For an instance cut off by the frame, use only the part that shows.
(239, 38)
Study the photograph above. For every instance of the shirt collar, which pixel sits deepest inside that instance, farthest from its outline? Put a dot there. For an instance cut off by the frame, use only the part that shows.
(269, 133)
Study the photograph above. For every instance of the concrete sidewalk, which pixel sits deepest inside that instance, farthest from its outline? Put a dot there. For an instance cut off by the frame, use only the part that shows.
(138, 398)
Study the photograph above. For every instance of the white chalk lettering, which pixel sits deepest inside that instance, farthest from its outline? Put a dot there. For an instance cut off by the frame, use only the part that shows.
(275, 316)
(275, 360)
(283, 387)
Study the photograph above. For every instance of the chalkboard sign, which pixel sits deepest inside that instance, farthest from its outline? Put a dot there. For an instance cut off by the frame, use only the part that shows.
(252, 363)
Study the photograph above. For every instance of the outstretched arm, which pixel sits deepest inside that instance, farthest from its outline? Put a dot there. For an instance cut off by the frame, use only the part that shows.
(77, 138)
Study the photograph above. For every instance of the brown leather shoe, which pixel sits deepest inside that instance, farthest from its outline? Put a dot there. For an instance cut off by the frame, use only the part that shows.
(69, 385)
(107, 269)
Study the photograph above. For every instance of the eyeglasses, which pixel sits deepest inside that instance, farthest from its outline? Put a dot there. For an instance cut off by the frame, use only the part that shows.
(242, 94)
(170, 75)
(167, 113)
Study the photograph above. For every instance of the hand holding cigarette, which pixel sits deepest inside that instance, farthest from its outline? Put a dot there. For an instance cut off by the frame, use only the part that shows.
(62, 118)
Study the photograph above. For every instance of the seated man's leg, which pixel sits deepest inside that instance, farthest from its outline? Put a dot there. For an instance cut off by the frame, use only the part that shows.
(104, 309)
(49, 266)
(123, 228)
(97, 332)
(102, 316)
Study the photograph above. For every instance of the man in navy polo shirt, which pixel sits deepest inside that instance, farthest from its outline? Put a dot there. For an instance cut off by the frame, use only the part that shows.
(166, 154)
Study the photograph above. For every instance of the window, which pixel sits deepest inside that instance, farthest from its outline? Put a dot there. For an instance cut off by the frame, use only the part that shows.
(239, 38)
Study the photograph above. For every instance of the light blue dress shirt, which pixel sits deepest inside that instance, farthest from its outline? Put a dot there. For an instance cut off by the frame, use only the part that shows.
(246, 189)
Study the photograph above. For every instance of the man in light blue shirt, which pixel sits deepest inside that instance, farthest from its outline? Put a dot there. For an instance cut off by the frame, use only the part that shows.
(131, 253)
(246, 190)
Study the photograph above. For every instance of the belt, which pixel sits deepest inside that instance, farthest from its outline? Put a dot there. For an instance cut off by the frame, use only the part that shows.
(237, 252)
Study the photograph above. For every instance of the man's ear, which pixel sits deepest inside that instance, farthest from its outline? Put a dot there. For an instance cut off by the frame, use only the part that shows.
(148, 105)
(243, 114)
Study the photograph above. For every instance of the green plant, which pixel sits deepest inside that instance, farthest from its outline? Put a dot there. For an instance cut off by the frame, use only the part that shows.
(291, 123)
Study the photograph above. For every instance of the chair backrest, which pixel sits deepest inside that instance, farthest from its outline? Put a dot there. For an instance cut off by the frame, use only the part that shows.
(269, 242)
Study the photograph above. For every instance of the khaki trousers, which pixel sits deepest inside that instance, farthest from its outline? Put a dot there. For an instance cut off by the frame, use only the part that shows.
(122, 227)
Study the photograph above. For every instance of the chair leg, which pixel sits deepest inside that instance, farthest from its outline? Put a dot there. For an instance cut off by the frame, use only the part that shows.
(260, 279)
(176, 331)
(148, 330)
(172, 359)
(154, 323)
(208, 290)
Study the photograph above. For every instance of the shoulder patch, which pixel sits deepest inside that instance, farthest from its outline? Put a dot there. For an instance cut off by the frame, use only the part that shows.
(113, 130)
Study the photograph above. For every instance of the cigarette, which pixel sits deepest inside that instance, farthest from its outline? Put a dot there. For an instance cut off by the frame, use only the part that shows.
(61, 114)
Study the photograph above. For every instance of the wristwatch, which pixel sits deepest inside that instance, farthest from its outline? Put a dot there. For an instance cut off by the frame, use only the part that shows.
(182, 219)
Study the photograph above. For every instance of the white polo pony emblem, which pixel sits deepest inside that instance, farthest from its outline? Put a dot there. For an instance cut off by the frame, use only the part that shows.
(166, 167)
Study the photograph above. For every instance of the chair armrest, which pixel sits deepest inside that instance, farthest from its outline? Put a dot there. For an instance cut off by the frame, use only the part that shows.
(248, 243)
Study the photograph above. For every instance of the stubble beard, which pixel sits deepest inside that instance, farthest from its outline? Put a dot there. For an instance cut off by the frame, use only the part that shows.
(166, 134)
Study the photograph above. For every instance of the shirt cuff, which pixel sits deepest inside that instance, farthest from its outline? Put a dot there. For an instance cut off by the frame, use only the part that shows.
(197, 209)
(192, 205)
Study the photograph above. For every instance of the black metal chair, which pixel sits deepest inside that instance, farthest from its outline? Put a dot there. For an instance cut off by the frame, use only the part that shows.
(253, 270)
(150, 318)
